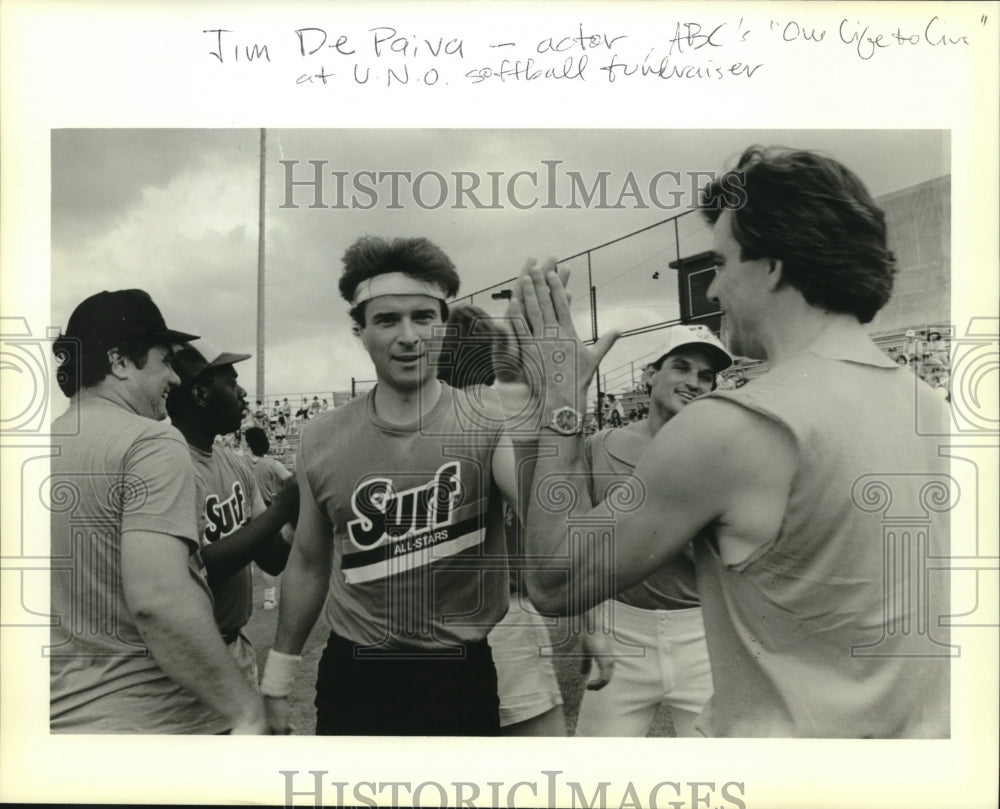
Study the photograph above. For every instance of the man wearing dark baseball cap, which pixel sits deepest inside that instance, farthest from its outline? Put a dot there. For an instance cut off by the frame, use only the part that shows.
(662, 613)
(127, 322)
(134, 649)
(235, 527)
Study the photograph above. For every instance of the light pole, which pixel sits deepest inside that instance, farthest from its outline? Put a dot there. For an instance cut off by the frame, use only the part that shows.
(593, 336)
(260, 271)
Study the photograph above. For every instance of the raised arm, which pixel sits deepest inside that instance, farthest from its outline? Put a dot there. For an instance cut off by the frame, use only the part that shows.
(174, 617)
(715, 464)
(504, 472)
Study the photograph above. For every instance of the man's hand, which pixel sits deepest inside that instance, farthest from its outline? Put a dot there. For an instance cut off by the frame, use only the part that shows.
(597, 647)
(278, 714)
(253, 722)
(174, 616)
(539, 311)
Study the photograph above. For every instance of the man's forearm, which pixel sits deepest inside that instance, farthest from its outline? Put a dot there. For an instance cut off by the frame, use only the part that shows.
(560, 565)
(302, 595)
(181, 634)
(231, 554)
(274, 556)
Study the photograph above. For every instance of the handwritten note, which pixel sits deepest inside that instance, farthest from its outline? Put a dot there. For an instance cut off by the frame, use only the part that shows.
(684, 50)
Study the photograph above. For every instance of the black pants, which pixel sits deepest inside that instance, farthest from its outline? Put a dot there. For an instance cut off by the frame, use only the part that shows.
(362, 691)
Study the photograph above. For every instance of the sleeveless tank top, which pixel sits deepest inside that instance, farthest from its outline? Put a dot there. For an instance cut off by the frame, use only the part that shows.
(832, 629)
(416, 522)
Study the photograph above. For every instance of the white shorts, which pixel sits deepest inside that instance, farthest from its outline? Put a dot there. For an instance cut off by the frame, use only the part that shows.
(661, 658)
(526, 678)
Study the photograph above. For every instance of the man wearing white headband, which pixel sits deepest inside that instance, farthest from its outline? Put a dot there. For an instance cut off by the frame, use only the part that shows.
(400, 535)
(655, 652)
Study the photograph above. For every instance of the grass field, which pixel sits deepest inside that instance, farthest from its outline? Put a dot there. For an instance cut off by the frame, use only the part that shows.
(261, 631)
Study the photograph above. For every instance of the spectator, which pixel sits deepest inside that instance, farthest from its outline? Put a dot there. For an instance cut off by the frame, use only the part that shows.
(260, 415)
(271, 477)
(615, 410)
(280, 433)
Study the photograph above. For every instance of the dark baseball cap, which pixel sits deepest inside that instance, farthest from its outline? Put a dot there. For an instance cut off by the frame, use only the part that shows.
(107, 319)
(193, 358)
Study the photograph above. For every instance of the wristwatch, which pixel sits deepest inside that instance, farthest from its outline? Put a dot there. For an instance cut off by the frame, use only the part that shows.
(566, 421)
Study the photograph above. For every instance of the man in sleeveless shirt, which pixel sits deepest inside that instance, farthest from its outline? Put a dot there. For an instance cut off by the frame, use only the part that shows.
(783, 484)
(400, 536)
(648, 642)
(134, 649)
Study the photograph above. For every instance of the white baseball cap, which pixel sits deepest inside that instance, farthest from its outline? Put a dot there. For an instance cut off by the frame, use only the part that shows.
(679, 336)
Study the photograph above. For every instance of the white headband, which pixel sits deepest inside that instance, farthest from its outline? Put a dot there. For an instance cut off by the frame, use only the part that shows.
(395, 283)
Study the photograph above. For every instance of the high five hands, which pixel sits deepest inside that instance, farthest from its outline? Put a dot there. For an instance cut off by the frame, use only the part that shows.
(539, 312)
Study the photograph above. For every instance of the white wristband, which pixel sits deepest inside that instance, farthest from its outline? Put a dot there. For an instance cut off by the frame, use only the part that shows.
(279, 672)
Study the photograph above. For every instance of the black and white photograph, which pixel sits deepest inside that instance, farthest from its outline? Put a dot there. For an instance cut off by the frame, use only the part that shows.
(632, 433)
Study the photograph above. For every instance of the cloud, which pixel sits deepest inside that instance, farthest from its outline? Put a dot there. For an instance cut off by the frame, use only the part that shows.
(97, 174)
(176, 212)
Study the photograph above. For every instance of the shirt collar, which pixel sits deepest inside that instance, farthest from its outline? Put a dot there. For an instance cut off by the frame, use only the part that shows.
(850, 345)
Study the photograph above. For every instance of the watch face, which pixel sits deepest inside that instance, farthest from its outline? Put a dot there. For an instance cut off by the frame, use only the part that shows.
(566, 420)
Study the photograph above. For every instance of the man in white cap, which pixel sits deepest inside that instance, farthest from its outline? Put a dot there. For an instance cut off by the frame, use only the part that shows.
(134, 647)
(649, 640)
(400, 528)
(234, 525)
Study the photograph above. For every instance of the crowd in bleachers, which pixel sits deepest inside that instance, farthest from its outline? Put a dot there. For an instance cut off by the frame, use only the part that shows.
(282, 422)
(926, 351)
(928, 357)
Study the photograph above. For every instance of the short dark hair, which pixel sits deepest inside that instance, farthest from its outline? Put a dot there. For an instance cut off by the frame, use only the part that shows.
(467, 350)
(257, 440)
(816, 217)
(85, 366)
(416, 257)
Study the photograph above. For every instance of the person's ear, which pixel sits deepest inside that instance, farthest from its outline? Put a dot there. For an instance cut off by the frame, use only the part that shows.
(119, 367)
(775, 273)
(199, 395)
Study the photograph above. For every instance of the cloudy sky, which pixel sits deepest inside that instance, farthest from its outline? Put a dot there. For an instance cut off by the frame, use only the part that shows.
(175, 211)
